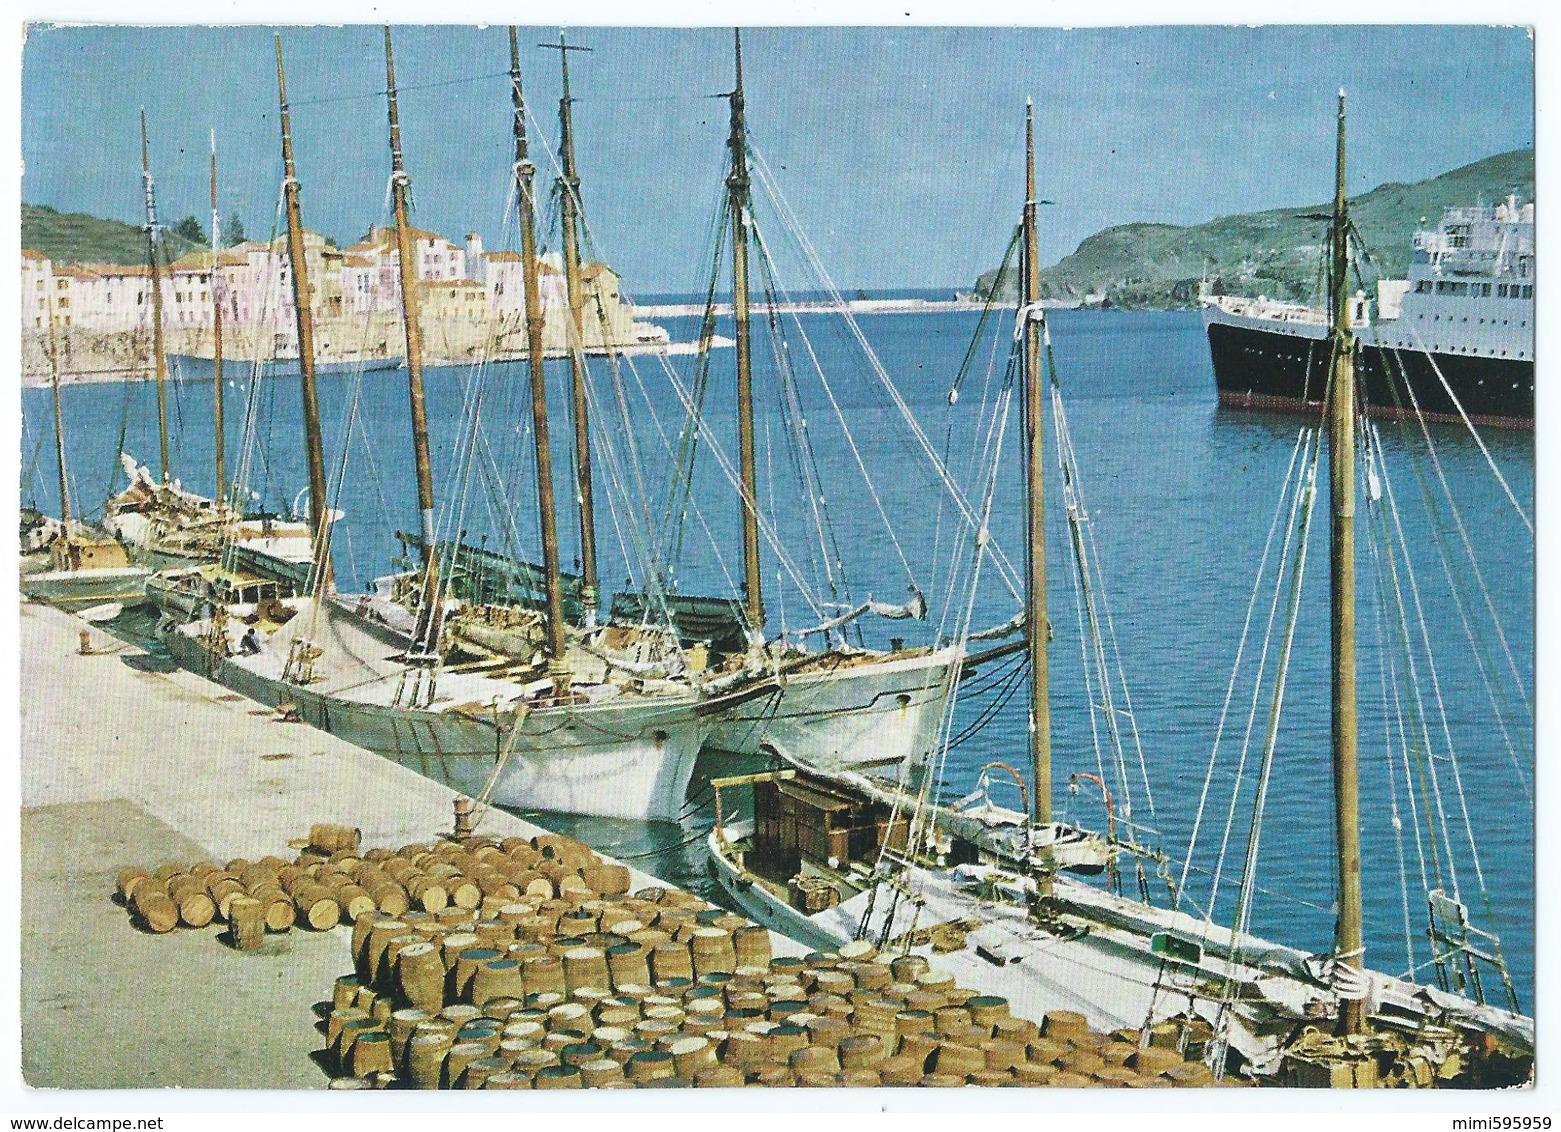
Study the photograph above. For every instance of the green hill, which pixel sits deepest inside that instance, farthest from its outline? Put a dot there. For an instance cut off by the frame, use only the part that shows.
(1274, 253)
(74, 237)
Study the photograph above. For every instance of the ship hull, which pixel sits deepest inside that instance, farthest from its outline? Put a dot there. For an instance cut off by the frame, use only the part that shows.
(631, 760)
(87, 587)
(838, 718)
(1259, 368)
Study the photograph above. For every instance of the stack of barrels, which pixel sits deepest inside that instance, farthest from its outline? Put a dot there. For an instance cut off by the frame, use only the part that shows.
(528, 964)
(317, 889)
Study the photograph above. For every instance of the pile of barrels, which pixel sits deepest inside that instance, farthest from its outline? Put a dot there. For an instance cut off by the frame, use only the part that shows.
(317, 889)
(528, 963)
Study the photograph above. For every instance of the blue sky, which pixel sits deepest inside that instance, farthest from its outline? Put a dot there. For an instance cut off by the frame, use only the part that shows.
(899, 148)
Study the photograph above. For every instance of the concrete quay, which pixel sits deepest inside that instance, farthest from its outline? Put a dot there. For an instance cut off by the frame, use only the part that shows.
(126, 761)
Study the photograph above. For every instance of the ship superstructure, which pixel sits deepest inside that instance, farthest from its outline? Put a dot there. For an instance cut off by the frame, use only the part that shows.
(1453, 340)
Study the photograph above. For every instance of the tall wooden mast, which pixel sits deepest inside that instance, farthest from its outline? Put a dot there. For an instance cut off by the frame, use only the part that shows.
(159, 359)
(400, 188)
(738, 191)
(59, 415)
(569, 217)
(1341, 486)
(314, 445)
(525, 184)
(218, 433)
(1036, 623)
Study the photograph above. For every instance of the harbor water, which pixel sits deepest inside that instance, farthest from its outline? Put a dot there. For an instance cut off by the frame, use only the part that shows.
(1180, 494)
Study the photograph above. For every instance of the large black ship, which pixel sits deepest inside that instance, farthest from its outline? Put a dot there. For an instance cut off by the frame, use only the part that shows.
(1454, 340)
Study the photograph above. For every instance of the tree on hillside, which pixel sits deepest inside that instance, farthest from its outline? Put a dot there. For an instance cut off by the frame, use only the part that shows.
(190, 229)
(233, 231)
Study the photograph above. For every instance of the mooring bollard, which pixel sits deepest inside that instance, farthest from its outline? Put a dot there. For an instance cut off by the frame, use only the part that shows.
(463, 817)
(85, 647)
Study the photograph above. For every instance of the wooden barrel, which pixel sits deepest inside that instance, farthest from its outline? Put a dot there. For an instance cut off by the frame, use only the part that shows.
(1063, 1024)
(340, 1051)
(596, 1073)
(428, 894)
(608, 880)
(425, 1058)
(627, 964)
(330, 838)
(752, 946)
(691, 1054)
(466, 963)
(494, 933)
(861, 1050)
(478, 1073)
(317, 907)
(156, 912)
(420, 976)
(781, 1041)
(948, 1018)
(128, 880)
(622, 1050)
(713, 951)
(452, 944)
(464, 893)
(402, 1025)
(495, 980)
(1017, 1029)
(958, 1060)
(222, 889)
(344, 992)
(1153, 1061)
(530, 1062)
(814, 1059)
(987, 1009)
(543, 974)
(671, 960)
(353, 901)
(1002, 1053)
(500, 1007)
(280, 915)
(586, 967)
(650, 1065)
(507, 1079)
(370, 1053)
(246, 923)
(372, 968)
(569, 1018)
(557, 1077)
(390, 898)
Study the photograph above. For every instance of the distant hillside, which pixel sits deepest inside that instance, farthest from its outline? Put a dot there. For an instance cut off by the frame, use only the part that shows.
(74, 237)
(1273, 253)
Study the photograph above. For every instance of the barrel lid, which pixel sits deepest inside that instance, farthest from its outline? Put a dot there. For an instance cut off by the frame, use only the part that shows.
(986, 1000)
(479, 954)
(647, 1055)
(691, 1044)
(584, 954)
(557, 1071)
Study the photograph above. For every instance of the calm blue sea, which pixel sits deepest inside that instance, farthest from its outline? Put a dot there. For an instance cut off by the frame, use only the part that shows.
(1180, 494)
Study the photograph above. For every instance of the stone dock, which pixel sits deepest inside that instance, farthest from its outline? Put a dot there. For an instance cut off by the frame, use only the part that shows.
(128, 761)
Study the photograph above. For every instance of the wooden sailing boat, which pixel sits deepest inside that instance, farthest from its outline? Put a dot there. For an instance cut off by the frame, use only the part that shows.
(856, 858)
(835, 706)
(162, 523)
(570, 728)
(64, 560)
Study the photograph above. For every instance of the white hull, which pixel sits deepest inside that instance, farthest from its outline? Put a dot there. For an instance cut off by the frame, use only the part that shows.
(1111, 973)
(867, 713)
(94, 585)
(630, 757)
